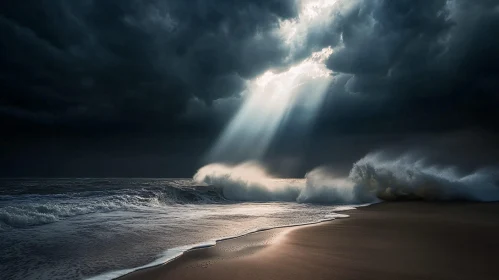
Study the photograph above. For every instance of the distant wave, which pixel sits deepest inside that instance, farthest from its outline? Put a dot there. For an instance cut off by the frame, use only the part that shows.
(373, 178)
(410, 177)
(35, 209)
(248, 182)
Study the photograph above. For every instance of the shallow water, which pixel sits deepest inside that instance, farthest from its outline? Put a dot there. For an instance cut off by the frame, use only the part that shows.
(83, 228)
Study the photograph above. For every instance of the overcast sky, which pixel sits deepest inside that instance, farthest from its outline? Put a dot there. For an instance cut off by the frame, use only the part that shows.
(127, 88)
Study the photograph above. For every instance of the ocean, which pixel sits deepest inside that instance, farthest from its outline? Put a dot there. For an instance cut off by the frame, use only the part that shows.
(104, 228)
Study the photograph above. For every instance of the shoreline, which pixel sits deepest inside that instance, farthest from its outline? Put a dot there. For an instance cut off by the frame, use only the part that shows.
(424, 223)
(338, 212)
(279, 230)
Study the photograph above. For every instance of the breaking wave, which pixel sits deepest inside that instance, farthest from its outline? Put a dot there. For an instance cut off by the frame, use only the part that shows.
(36, 209)
(410, 177)
(248, 182)
(372, 179)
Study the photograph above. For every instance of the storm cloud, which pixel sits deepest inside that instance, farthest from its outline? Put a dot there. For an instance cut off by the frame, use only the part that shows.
(160, 79)
(424, 65)
(130, 62)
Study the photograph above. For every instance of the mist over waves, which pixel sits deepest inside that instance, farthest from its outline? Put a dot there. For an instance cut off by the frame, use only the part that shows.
(375, 177)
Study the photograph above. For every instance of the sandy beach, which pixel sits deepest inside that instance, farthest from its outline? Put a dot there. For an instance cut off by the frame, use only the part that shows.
(409, 240)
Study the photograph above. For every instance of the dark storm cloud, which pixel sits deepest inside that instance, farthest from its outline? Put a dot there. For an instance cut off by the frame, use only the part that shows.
(416, 65)
(130, 62)
(124, 64)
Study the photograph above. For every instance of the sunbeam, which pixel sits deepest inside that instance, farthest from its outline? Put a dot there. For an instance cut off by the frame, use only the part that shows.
(270, 99)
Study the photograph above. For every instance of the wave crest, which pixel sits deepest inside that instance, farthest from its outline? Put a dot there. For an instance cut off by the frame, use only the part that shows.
(248, 182)
(410, 177)
(30, 210)
(372, 178)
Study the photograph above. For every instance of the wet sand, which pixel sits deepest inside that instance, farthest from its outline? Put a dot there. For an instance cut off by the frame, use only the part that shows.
(406, 240)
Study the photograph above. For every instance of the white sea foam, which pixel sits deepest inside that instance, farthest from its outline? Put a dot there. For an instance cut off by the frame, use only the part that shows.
(43, 212)
(372, 178)
(31, 210)
(409, 176)
(168, 256)
(102, 219)
(248, 182)
(174, 253)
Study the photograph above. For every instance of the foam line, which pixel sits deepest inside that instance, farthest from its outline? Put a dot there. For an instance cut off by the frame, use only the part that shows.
(174, 253)
(371, 179)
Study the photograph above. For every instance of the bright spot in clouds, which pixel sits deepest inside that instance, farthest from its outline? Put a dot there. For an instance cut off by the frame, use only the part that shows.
(271, 97)
(313, 14)
(269, 100)
(311, 9)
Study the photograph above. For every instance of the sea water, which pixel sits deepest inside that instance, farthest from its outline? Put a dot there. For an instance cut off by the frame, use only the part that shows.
(104, 228)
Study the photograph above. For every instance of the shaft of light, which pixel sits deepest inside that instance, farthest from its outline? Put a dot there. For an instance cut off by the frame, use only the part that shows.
(271, 98)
